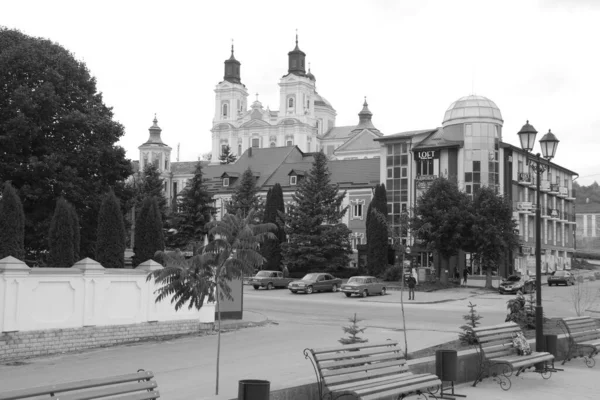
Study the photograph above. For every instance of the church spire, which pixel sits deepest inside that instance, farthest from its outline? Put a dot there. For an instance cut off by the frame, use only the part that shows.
(232, 68)
(155, 132)
(365, 116)
(296, 60)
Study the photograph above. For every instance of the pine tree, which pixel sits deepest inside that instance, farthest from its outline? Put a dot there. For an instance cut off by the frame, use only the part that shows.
(12, 223)
(60, 238)
(467, 336)
(377, 233)
(227, 157)
(110, 244)
(245, 197)
(148, 232)
(271, 248)
(194, 211)
(76, 232)
(152, 185)
(353, 331)
(316, 238)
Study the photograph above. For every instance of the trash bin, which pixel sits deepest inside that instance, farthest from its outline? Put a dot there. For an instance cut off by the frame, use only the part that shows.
(254, 389)
(446, 365)
(552, 344)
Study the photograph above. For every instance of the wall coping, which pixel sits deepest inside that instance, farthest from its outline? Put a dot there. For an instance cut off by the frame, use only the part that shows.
(11, 264)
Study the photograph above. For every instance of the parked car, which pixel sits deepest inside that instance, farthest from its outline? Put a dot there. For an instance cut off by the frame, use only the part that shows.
(561, 278)
(316, 282)
(269, 280)
(516, 283)
(363, 286)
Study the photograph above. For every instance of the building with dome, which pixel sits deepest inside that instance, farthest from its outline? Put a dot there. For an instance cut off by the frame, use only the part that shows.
(305, 118)
(468, 148)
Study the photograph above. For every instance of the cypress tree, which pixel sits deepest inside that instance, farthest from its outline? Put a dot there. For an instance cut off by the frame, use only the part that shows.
(60, 238)
(317, 239)
(76, 231)
(271, 248)
(110, 242)
(153, 186)
(12, 223)
(245, 197)
(148, 232)
(377, 232)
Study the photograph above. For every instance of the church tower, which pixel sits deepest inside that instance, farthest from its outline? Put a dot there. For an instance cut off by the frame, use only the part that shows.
(231, 102)
(155, 151)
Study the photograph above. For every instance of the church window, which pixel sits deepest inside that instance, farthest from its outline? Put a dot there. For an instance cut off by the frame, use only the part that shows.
(293, 180)
(289, 143)
(225, 110)
(239, 149)
(225, 182)
(223, 148)
(290, 103)
(166, 165)
(307, 103)
(255, 142)
(319, 127)
(273, 144)
(293, 63)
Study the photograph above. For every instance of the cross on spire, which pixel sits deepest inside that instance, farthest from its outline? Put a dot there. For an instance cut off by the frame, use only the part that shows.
(256, 96)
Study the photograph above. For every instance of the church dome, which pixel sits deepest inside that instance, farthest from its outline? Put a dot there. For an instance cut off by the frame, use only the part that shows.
(472, 109)
(322, 101)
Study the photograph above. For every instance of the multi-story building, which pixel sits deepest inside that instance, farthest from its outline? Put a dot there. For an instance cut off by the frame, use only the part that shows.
(468, 148)
(588, 227)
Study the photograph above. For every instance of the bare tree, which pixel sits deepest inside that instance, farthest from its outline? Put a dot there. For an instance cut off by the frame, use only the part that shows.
(583, 297)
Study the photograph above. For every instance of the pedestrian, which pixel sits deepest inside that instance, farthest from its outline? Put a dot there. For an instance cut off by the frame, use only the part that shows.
(411, 287)
(285, 271)
(465, 274)
(456, 276)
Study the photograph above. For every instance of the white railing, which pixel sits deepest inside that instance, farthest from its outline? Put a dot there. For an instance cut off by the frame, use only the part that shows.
(86, 294)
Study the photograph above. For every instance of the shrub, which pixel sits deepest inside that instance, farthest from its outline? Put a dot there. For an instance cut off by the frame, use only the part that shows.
(597, 274)
(12, 221)
(110, 242)
(592, 278)
(580, 278)
(393, 273)
(522, 311)
(60, 238)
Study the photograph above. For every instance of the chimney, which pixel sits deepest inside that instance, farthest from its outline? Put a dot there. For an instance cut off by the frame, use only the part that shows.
(250, 151)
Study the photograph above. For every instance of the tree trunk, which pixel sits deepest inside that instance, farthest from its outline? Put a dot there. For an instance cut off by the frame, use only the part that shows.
(402, 306)
(488, 277)
(218, 337)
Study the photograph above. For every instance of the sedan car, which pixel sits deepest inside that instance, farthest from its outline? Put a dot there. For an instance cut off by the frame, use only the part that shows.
(561, 278)
(363, 286)
(315, 282)
(516, 283)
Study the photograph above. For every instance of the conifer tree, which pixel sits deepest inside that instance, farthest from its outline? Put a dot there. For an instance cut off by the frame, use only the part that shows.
(467, 336)
(274, 208)
(194, 211)
(76, 232)
(60, 238)
(245, 197)
(227, 157)
(110, 244)
(316, 237)
(148, 232)
(12, 224)
(152, 185)
(353, 331)
(377, 233)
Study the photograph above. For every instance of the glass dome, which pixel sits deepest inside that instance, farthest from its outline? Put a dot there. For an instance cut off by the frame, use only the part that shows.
(472, 109)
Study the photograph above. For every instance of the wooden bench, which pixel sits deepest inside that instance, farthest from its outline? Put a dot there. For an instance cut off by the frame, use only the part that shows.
(496, 353)
(367, 371)
(583, 333)
(138, 386)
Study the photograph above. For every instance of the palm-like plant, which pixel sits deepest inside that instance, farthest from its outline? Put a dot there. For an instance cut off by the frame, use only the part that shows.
(234, 253)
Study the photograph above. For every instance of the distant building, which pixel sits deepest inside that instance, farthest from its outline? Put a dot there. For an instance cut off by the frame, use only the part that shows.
(588, 227)
(468, 148)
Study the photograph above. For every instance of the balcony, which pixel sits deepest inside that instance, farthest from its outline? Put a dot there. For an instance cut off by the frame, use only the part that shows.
(563, 192)
(554, 188)
(554, 213)
(524, 207)
(571, 195)
(544, 185)
(524, 178)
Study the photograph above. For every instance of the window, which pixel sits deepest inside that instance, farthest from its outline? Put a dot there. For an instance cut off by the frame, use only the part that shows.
(273, 144)
(255, 142)
(239, 149)
(290, 103)
(293, 180)
(166, 164)
(307, 103)
(357, 211)
(223, 148)
(289, 143)
(225, 182)
(225, 110)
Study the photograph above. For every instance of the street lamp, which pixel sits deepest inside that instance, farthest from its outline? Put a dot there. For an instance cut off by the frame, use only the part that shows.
(548, 143)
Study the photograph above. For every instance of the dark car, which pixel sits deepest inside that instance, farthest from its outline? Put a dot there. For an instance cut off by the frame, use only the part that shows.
(363, 286)
(561, 278)
(316, 282)
(516, 283)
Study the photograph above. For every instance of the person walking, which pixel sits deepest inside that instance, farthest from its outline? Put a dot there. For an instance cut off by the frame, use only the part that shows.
(465, 274)
(286, 272)
(411, 287)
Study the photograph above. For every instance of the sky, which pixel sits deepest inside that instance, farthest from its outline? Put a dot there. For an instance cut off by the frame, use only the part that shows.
(538, 60)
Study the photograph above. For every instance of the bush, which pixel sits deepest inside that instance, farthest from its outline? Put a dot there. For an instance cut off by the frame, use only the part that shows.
(580, 278)
(597, 274)
(393, 273)
(592, 278)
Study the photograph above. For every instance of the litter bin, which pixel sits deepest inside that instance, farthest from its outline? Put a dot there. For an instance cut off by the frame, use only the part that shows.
(254, 389)
(446, 365)
(552, 344)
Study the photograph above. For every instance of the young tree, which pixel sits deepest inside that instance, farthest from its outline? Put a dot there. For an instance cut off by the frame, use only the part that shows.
(377, 233)
(235, 253)
(467, 336)
(316, 238)
(227, 157)
(493, 229)
(110, 245)
(148, 232)
(194, 211)
(60, 238)
(245, 197)
(58, 137)
(441, 219)
(353, 331)
(12, 223)
(274, 209)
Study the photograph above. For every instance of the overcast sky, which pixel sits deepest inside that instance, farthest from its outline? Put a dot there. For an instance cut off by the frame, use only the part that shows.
(537, 60)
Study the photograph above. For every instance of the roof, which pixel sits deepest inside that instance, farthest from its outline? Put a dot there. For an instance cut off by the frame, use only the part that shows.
(186, 167)
(472, 107)
(362, 140)
(521, 151)
(404, 135)
(436, 139)
(339, 132)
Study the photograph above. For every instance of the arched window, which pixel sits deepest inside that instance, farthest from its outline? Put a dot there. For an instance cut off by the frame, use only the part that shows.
(273, 144)
(290, 103)
(255, 142)
(239, 149)
(289, 143)
(225, 110)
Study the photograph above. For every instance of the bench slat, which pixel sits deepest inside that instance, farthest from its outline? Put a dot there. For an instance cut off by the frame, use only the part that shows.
(363, 375)
(409, 386)
(77, 385)
(355, 354)
(533, 357)
(593, 342)
(506, 325)
(347, 363)
(139, 396)
(324, 350)
(400, 364)
(369, 382)
(109, 391)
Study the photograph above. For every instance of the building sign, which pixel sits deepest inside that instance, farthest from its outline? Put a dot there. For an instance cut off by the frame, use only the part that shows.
(524, 177)
(524, 205)
(427, 155)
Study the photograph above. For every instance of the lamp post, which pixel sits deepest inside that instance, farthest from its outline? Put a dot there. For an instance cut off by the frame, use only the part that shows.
(548, 143)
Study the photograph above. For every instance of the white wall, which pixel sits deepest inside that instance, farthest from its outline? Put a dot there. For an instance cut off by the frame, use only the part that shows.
(86, 294)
